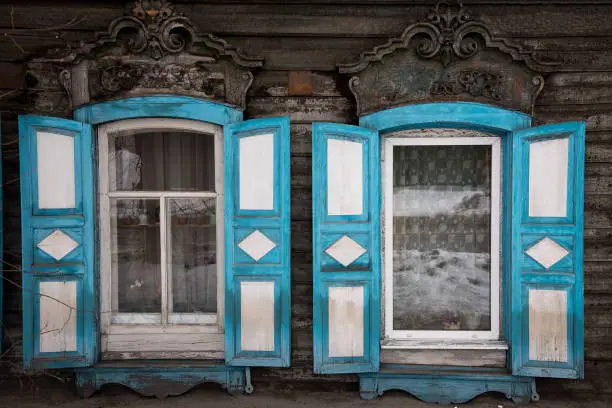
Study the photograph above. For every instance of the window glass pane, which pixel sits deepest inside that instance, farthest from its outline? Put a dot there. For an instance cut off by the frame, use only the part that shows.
(171, 160)
(441, 238)
(135, 255)
(193, 236)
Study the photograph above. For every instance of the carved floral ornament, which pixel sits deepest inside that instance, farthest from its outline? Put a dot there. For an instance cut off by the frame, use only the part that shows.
(151, 49)
(449, 55)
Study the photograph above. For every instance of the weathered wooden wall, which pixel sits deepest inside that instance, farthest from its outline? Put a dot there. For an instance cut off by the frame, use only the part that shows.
(295, 37)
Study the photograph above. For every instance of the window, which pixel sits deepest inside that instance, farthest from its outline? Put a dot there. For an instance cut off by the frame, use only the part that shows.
(161, 222)
(442, 235)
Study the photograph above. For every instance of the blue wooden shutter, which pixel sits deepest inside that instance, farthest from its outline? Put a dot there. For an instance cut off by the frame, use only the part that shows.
(547, 251)
(257, 243)
(57, 209)
(346, 248)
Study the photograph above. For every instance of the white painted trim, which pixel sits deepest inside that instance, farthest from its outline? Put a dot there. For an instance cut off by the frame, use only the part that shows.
(55, 170)
(256, 172)
(219, 171)
(139, 329)
(443, 344)
(151, 325)
(165, 281)
(136, 318)
(163, 355)
(387, 234)
(160, 194)
(192, 318)
(159, 124)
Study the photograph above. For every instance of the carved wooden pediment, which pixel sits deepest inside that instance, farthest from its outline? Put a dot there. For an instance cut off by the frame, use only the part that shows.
(448, 57)
(152, 49)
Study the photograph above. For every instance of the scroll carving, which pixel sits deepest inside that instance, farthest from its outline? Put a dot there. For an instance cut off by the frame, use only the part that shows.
(152, 49)
(448, 56)
(114, 79)
(474, 83)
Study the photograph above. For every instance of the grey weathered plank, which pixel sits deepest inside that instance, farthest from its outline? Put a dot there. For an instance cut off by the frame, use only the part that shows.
(597, 244)
(332, 20)
(300, 53)
(597, 277)
(599, 136)
(302, 109)
(301, 203)
(301, 171)
(598, 184)
(599, 152)
(470, 358)
(598, 300)
(597, 117)
(599, 317)
(276, 83)
(301, 139)
(301, 235)
(577, 94)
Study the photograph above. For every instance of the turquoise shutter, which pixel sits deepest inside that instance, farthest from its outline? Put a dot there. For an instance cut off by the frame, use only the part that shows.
(57, 209)
(547, 251)
(257, 243)
(346, 248)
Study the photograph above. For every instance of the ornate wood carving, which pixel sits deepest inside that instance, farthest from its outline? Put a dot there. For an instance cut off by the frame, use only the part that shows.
(447, 57)
(153, 49)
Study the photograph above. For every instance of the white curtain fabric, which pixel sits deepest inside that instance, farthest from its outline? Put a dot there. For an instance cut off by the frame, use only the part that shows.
(164, 161)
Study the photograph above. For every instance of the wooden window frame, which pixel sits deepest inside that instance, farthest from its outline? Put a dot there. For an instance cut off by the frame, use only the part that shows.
(441, 338)
(163, 322)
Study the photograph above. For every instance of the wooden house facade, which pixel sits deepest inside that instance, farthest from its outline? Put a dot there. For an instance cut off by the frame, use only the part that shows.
(410, 195)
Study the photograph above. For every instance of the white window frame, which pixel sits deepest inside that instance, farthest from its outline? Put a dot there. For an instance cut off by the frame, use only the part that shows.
(113, 322)
(440, 338)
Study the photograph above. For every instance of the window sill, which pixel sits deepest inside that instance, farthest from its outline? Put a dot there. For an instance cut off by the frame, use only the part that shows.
(441, 345)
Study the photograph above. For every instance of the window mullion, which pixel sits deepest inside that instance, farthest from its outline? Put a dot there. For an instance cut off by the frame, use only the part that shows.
(163, 232)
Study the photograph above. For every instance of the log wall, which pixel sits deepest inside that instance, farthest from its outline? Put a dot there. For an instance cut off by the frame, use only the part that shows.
(307, 41)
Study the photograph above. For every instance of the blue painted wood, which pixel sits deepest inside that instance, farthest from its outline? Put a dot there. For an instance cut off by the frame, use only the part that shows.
(275, 224)
(447, 386)
(78, 223)
(567, 274)
(446, 114)
(164, 106)
(158, 380)
(364, 229)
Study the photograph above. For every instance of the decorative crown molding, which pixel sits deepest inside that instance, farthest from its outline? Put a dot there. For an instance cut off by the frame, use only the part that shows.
(448, 34)
(155, 29)
(152, 49)
(449, 56)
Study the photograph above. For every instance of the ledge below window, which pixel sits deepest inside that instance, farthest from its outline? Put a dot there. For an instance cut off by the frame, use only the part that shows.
(443, 345)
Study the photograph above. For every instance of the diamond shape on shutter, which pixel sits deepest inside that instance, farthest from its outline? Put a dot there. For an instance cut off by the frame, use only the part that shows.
(57, 244)
(345, 250)
(547, 252)
(256, 245)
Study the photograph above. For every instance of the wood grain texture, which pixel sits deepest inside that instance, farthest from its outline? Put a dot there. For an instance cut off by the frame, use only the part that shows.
(58, 322)
(332, 20)
(548, 325)
(317, 37)
(344, 177)
(466, 358)
(167, 342)
(256, 169)
(346, 321)
(56, 170)
(257, 316)
(548, 178)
